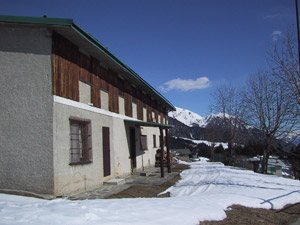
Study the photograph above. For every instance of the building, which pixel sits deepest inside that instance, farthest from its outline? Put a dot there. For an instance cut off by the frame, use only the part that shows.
(72, 114)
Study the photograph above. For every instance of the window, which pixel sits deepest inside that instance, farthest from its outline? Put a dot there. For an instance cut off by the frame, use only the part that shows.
(154, 141)
(121, 105)
(81, 141)
(144, 142)
(104, 99)
(134, 110)
(84, 92)
(144, 114)
(153, 117)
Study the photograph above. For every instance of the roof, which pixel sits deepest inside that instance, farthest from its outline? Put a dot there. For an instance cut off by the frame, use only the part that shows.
(69, 23)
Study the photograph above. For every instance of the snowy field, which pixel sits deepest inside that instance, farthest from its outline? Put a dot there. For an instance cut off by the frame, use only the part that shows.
(205, 191)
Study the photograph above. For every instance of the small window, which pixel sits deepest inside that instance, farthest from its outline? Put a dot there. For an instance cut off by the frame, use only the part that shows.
(153, 117)
(81, 142)
(154, 141)
(144, 114)
(121, 105)
(104, 99)
(144, 142)
(84, 92)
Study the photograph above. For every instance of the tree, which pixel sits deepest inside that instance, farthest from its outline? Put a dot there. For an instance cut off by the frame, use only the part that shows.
(284, 62)
(270, 109)
(228, 101)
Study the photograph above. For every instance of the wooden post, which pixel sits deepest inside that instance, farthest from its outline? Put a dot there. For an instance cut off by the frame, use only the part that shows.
(168, 151)
(162, 172)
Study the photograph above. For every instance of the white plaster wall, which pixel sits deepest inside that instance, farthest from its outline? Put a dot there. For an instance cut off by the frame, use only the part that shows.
(70, 179)
(121, 143)
(104, 100)
(75, 178)
(146, 158)
(26, 157)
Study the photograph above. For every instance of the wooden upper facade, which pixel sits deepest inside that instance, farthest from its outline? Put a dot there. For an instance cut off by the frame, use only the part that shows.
(76, 56)
(71, 66)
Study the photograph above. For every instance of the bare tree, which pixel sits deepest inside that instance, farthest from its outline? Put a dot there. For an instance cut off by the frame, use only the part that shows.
(228, 101)
(284, 62)
(271, 110)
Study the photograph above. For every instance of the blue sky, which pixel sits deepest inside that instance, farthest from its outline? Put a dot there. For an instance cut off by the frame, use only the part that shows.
(185, 49)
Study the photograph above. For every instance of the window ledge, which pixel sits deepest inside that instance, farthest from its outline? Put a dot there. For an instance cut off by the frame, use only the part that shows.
(80, 163)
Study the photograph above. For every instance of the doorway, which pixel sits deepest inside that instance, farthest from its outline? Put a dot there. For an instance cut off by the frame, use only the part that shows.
(132, 148)
(106, 151)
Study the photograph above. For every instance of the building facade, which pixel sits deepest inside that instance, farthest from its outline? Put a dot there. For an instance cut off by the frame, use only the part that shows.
(72, 114)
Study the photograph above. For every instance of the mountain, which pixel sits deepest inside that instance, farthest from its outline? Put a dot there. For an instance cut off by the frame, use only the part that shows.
(191, 127)
(211, 128)
(187, 117)
(293, 137)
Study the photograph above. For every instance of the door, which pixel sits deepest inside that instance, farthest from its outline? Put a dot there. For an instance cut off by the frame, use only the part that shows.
(106, 151)
(132, 148)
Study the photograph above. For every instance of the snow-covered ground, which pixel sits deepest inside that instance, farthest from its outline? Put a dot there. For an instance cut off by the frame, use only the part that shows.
(204, 192)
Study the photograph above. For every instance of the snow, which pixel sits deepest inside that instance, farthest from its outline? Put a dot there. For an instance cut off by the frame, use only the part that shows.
(186, 117)
(205, 191)
(209, 143)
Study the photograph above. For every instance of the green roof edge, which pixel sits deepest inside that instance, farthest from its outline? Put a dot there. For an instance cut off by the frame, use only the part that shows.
(37, 20)
(87, 36)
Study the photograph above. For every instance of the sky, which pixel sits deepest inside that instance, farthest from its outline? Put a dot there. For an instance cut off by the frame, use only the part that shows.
(184, 49)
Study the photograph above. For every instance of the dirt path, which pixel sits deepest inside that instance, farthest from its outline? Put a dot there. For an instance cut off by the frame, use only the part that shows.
(247, 216)
(147, 191)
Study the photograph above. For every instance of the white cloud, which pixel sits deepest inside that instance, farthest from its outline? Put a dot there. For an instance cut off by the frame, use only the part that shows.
(185, 85)
(276, 35)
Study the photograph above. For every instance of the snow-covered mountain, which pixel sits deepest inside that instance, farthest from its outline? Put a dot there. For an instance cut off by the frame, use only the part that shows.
(293, 137)
(187, 117)
(211, 127)
(191, 119)
(214, 128)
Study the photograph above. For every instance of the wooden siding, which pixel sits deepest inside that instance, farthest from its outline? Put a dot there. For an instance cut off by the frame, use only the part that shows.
(66, 69)
(96, 82)
(70, 66)
(84, 68)
(128, 98)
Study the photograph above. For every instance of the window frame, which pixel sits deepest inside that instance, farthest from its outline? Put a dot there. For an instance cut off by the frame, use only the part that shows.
(84, 141)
